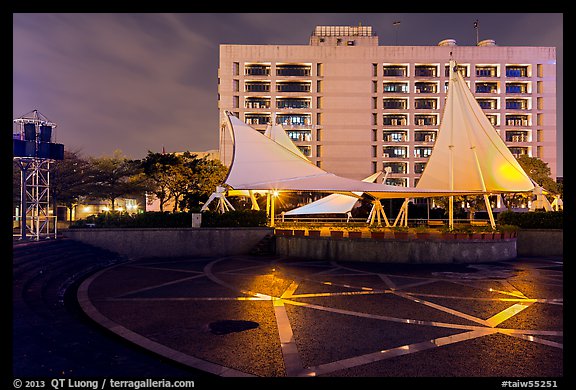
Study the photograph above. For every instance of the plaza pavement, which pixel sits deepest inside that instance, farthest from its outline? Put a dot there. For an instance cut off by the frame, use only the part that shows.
(268, 316)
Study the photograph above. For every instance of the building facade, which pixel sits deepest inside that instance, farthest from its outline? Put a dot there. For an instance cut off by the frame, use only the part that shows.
(354, 107)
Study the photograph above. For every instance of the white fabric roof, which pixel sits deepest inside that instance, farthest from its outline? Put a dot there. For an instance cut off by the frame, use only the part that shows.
(334, 203)
(469, 157)
(277, 134)
(468, 153)
(259, 163)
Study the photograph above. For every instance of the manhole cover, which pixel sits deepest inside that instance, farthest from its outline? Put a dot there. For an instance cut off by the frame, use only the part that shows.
(231, 326)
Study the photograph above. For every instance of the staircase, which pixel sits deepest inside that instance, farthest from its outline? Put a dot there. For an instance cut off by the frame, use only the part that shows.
(265, 247)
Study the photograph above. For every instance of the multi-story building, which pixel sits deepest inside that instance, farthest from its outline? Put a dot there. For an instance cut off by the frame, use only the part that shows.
(354, 107)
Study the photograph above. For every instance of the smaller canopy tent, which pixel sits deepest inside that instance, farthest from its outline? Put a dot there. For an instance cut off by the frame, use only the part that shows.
(277, 134)
(334, 203)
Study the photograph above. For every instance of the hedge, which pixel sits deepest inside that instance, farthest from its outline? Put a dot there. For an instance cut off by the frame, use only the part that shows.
(533, 220)
(156, 219)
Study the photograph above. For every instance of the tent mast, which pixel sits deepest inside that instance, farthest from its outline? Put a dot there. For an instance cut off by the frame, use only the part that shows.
(451, 146)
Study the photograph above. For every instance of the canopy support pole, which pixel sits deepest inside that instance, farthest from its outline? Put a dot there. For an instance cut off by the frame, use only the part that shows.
(223, 203)
(272, 210)
(486, 200)
(376, 212)
(489, 210)
(402, 216)
(451, 213)
(254, 202)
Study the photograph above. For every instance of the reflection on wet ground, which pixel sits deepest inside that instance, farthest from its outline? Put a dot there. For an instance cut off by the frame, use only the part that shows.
(294, 317)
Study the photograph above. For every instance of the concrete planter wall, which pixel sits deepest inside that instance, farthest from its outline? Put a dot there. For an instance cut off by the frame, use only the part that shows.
(233, 241)
(173, 242)
(540, 242)
(397, 250)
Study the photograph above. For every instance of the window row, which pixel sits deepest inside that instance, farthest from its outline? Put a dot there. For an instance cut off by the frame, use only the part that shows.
(429, 136)
(281, 103)
(288, 86)
(281, 119)
(281, 70)
(433, 87)
(403, 70)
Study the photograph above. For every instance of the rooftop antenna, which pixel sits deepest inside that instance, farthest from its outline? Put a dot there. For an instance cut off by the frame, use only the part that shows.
(476, 28)
(396, 24)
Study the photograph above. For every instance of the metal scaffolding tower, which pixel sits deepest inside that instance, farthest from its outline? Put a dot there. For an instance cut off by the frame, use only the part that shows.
(33, 152)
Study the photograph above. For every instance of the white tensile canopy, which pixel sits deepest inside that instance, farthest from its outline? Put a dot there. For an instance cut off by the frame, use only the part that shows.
(334, 203)
(259, 163)
(469, 158)
(468, 153)
(277, 134)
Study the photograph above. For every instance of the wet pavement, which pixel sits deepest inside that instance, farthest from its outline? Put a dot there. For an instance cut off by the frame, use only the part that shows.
(271, 317)
(52, 337)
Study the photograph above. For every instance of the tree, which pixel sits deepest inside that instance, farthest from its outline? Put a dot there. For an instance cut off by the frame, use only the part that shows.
(206, 175)
(70, 180)
(539, 172)
(116, 176)
(180, 179)
(158, 168)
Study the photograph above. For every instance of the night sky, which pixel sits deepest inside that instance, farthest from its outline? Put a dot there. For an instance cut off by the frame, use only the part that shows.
(143, 81)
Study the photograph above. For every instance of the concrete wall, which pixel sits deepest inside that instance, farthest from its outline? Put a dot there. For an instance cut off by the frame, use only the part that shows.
(234, 241)
(172, 242)
(397, 251)
(540, 242)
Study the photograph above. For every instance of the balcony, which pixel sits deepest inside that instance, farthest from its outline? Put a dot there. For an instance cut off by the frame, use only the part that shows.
(306, 150)
(518, 151)
(419, 167)
(394, 120)
(395, 136)
(425, 104)
(295, 103)
(488, 104)
(395, 87)
(293, 70)
(257, 119)
(426, 71)
(460, 68)
(493, 119)
(394, 104)
(395, 152)
(516, 71)
(300, 135)
(516, 88)
(256, 103)
(257, 70)
(293, 87)
(256, 86)
(517, 120)
(425, 120)
(517, 136)
(422, 152)
(425, 136)
(293, 120)
(486, 71)
(516, 104)
(396, 167)
(486, 88)
(426, 87)
(397, 181)
(394, 71)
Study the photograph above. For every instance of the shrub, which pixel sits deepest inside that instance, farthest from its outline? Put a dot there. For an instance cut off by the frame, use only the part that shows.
(532, 220)
(156, 219)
